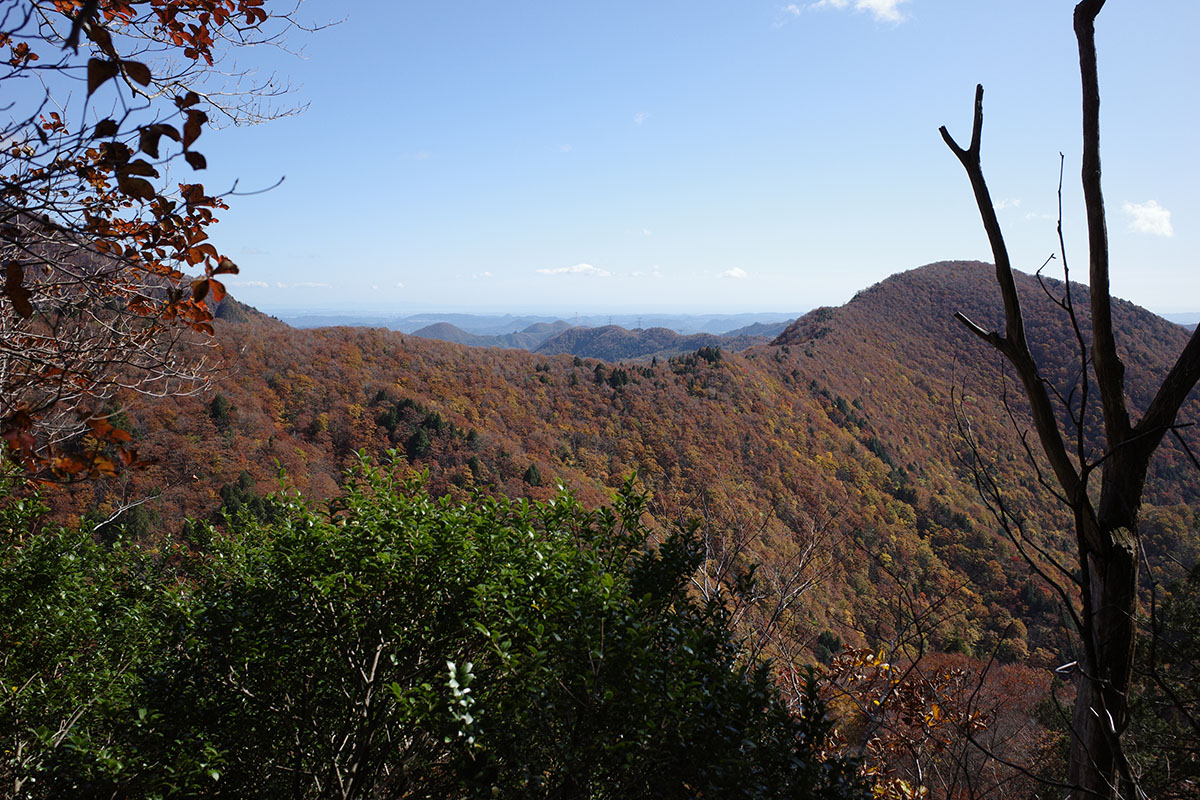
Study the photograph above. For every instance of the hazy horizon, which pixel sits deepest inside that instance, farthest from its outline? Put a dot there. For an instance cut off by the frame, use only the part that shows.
(351, 312)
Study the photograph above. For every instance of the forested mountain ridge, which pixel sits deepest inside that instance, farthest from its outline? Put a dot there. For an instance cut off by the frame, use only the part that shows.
(606, 342)
(526, 339)
(614, 343)
(830, 457)
(906, 324)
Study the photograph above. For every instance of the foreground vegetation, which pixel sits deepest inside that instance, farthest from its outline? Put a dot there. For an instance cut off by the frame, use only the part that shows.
(386, 644)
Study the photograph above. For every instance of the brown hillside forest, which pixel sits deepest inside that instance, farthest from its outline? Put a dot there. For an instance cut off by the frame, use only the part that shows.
(832, 462)
(893, 553)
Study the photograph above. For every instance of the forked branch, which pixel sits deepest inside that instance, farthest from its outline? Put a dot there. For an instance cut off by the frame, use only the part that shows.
(1013, 343)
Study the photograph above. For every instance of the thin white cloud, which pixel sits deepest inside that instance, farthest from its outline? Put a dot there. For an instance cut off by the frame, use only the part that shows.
(480, 275)
(881, 10)
(1008, 202)
(255, 284)
(399, 284)
(564, 148)
(640, 118)
(736, 272)
(655, 272)
(787, 14)
(577, 269)
(647, 232)
(301, 285)
(1149, 217)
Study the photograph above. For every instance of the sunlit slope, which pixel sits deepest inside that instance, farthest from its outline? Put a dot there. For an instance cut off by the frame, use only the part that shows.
(833, 453)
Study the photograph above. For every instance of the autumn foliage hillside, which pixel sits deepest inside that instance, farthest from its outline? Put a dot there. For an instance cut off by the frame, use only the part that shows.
(831, 458)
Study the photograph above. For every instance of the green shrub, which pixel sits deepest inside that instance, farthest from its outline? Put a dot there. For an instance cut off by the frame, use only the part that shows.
(391, 645)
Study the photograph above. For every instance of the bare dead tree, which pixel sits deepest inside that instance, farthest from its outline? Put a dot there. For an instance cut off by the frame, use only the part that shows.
(1106, 525)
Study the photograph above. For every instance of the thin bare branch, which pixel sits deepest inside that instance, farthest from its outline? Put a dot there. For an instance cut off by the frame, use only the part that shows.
(1013, 344)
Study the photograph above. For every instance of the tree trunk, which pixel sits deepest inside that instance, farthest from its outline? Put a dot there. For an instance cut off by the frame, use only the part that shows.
(1097, 764)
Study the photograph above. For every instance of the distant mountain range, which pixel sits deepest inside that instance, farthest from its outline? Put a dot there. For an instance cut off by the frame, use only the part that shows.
(1187, 320)
(607, 342)
(502, 324)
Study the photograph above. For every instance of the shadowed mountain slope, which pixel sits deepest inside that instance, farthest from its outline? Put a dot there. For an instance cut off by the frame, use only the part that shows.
(905, 326)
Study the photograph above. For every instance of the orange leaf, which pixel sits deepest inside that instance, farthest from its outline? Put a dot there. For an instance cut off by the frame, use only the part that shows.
(148, 141)
(98, 71)
(137, 72)
(192, 128)
(193, 195)
(150, 134)
(103, 465)
(136, 187)
(105, 127)
(66, 465)
(102, 39)
(226, 266)
(167, 130)
(103, 429)
(199, 289)
(14, 277)
(139, 167)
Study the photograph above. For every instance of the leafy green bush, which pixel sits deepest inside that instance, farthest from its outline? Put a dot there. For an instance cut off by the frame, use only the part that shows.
(83, 623)
(389, 645)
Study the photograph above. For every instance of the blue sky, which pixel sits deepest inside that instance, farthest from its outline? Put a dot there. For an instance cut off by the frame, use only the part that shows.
(703, 155)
